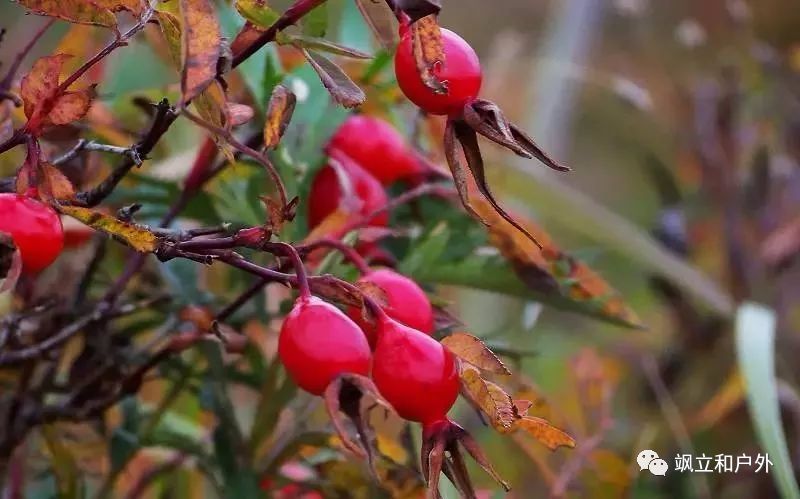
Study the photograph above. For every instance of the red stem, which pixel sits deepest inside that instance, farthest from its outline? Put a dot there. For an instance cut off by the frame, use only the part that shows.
(347, 251)
(297, 263)
(293, 14)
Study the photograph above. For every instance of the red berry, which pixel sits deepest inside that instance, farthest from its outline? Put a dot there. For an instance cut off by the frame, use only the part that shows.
(375, 145)
(318, 342)
(414, 372)
(461, 72)
(406, 302)
(34, 227)
(326, 192)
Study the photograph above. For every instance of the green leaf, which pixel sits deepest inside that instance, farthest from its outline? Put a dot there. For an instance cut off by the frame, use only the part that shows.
(755, 349)
(257, 12)
(64, 465)
(275, 394)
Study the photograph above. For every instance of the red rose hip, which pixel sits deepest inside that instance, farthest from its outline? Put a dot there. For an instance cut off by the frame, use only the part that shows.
(406, 302)
(326, 191)
(318, 342)
(35, 228)
(460, 72)
(377, 147)
(414, 372)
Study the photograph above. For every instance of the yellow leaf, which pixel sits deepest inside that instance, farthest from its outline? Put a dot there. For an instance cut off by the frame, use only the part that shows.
(474, 351)
(135, 236)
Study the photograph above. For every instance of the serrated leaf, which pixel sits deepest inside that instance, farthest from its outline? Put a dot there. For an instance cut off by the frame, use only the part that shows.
(323, 45)
(44, 102)
(279, 113)
(342, 89)
(201, 46)
(135, 236)
(473, 350)
(381, 20)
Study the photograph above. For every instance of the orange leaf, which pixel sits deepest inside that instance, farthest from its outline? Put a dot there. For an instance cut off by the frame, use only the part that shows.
(53, 184)
(202, 46)
(41, 83)
(474, 351)
(70, 107)
(95, 12)
(44, 103)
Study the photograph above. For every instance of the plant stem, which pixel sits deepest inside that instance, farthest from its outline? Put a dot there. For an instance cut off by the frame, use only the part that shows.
(293, 14)
(346, 250)
(297, 263)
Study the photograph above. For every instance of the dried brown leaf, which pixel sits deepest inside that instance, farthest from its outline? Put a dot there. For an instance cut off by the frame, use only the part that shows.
(202, 46)
(331, 288)
(135, 236)
(473, 350)
(279, 114)
(417, 9)
(342, 89)
(428, 51)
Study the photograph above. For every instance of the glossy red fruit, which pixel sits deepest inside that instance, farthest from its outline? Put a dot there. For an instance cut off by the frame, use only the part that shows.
(35, 228)
(461, 72)
(414, 373)
(318, 342)
(326, 192)
(406, 302)
(377, 147)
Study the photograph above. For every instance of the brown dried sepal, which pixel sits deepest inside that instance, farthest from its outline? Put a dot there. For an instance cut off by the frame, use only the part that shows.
(356, 397)
(441, 453)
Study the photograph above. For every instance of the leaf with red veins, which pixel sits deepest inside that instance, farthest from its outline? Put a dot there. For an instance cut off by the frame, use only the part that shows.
(44, 102)
(202, 46)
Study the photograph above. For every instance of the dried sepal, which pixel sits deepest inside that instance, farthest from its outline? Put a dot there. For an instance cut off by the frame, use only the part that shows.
(356, 397)
(487, 119)
(342, 89)
(473, 350)
(458, 132)
(440, 453)
(428, 51)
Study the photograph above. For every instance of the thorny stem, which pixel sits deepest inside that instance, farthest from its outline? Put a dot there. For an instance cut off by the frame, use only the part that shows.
(12, 70)
(346, 250)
